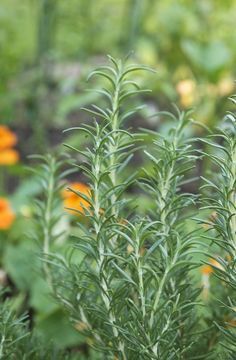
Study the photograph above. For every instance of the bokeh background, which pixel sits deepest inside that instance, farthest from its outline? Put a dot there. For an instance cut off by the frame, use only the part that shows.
(48, 48)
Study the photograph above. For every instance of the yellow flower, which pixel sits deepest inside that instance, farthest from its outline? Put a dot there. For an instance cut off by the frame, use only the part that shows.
(8, 139)
(186, 91)
(130, 249)
(225, 86)
(74, 201)
(212, 219)
(7, 216)
(81, 326)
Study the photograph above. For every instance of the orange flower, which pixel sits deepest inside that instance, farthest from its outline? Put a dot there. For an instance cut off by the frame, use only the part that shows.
(208, 269)
(6, 214)
(8, 139)
(74, 201)
(9, 157)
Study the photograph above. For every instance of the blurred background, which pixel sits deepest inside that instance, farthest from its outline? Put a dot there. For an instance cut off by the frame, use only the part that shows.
(48, 48)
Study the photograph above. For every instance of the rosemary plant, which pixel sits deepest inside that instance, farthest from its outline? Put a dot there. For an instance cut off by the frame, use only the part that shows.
(221, 200)
(48, 208)
(13, 333)
(16, 339)
(130, 293)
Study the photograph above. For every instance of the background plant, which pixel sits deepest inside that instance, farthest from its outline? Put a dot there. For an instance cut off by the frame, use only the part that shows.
(222, 229)
(17, 340)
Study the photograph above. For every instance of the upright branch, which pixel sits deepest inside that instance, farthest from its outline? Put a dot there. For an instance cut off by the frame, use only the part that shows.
(48, 208)
(110, 150)
(170, 249)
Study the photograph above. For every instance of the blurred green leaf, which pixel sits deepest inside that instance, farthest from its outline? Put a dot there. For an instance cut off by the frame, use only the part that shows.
(210, 57)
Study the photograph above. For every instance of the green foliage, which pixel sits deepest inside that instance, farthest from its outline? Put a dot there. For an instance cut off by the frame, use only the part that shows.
(123, 265)
(16, 340)
(136, 240)
(169, 254)
(13, 332)
(222, 229)
(111, 294)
